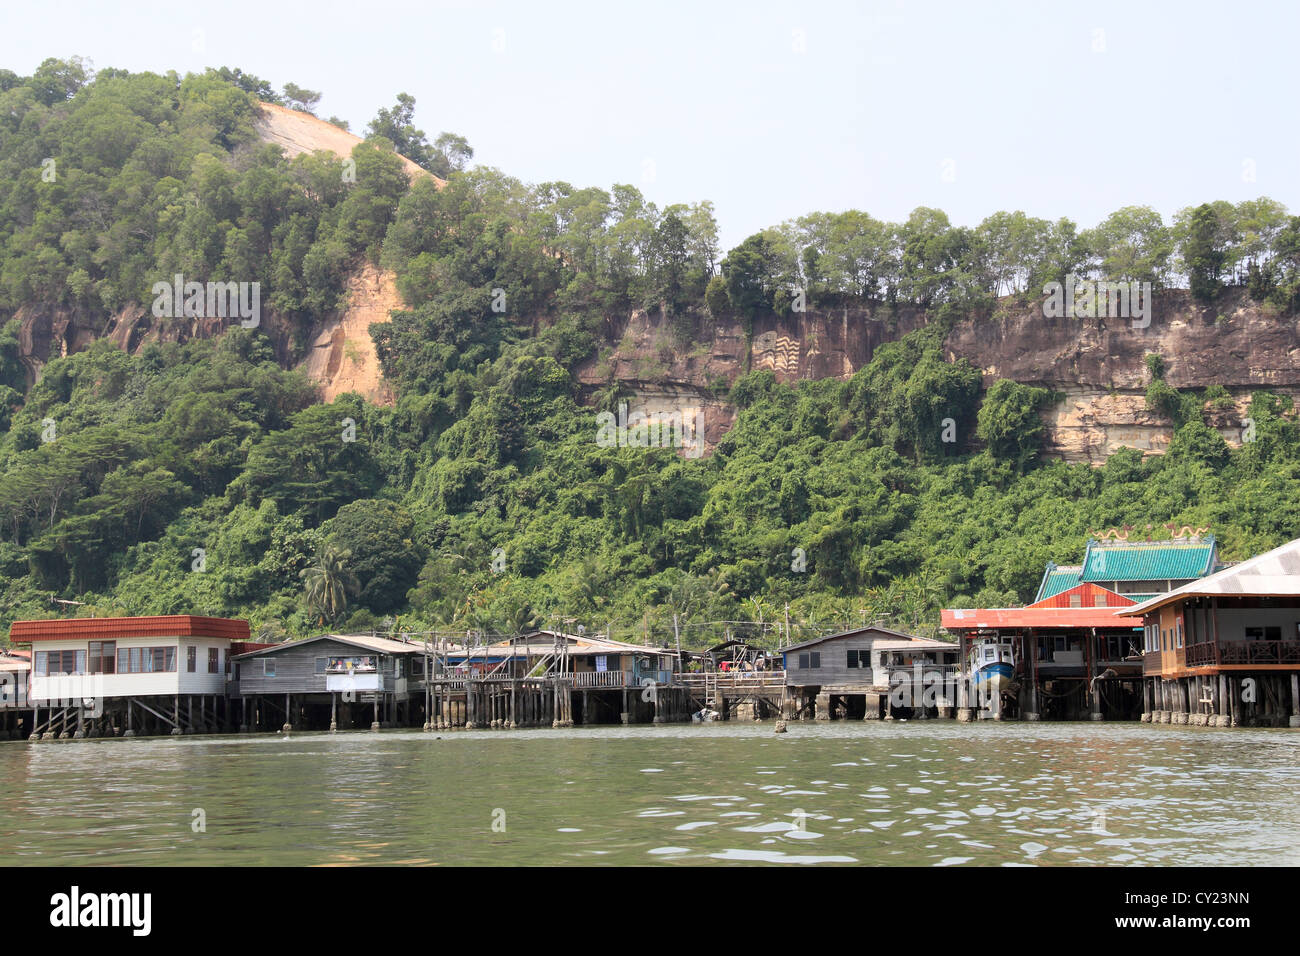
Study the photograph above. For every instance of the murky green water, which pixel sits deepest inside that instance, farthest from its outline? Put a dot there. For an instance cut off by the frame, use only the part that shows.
(934, 793)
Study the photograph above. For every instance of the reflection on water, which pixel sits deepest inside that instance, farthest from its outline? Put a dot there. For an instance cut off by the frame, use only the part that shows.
(937, 794)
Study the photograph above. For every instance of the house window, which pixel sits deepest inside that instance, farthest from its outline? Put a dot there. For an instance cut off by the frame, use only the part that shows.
(1076, 600)
(214, 660)
(810, 660)
(102, 657)
(1263, 633)
(859, 659)
(1099, 600)
(146, 660)
(64, 662)
(268, 667)
(191, 659)
(1178, 627)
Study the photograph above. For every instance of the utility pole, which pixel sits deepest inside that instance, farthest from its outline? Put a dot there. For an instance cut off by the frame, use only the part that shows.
(678, 635)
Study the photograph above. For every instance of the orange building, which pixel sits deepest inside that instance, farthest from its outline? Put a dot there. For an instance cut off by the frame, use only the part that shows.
(1224, 650)
(1066, 657)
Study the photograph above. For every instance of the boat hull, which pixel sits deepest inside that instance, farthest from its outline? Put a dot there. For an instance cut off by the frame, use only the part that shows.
(994, 677)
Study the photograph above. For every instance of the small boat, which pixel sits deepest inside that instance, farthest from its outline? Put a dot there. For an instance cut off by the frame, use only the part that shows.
(700, 716)
(993, 664)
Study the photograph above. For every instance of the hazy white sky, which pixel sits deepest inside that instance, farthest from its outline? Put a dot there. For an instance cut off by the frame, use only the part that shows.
(775, 109)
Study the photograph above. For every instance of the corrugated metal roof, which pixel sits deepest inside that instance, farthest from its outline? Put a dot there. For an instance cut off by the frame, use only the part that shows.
(540, 643)
(898, 635)
(1087, 597)
(1275, 573)
(1148, 560)
(1057, 578)
(110, 628)
(381, 644)
(962, 619)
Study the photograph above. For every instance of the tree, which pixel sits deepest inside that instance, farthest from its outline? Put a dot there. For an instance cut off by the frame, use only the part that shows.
(378, 536)
(455, 151)
(1204, 251)
(329, 583)
(1131, 245)
(300, 98)
(671, 250)
(1009, 423)
(397, 126)
(750, 273)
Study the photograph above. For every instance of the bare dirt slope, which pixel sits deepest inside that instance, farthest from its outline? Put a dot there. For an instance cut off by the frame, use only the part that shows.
(297, 132)
(342, 355)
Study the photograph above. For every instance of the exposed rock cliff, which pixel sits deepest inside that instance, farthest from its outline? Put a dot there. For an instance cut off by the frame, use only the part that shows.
(1098, 365)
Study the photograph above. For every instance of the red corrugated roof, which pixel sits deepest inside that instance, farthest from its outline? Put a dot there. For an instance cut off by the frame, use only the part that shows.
(1088, 594)
(112, 628)
(1042, 617)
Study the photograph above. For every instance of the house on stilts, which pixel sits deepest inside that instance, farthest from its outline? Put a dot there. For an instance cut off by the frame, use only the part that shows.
(332, 682)
(868, 673)
(111, 676)
(1224, 650)
(1068, 656)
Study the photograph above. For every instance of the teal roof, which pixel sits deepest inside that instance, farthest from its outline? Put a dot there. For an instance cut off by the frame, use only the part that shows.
(1056, 579)
(1149, 560)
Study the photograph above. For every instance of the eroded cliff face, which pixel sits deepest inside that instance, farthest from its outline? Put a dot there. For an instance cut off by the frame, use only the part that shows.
(339, 354)
(1097, 364)
(1100, 366)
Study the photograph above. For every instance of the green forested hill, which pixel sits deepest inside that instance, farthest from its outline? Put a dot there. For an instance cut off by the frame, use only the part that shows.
(205, 478)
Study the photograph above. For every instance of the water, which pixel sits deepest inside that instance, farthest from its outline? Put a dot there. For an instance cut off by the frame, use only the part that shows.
(933, 793)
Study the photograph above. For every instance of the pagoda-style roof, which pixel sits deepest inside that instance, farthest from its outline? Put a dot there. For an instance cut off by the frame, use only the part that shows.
(1178, 559)
(1058, 578)
(1274, 574)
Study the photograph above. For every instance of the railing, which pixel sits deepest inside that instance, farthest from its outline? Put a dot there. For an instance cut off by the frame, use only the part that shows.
(602, 679)
(1259, 652)
(1151, 663)
(735, 680)
(1199, 655)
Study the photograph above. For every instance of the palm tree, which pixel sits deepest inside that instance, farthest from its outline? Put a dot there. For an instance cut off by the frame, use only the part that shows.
(329, 583)
(521, 620)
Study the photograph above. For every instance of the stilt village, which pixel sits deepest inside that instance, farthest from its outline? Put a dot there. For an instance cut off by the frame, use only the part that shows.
(1156, 631)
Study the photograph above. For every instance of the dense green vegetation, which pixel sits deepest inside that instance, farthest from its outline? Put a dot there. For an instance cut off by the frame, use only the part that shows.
(206, 478)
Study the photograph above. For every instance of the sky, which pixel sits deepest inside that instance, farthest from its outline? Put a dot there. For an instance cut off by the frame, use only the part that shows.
(775, 109)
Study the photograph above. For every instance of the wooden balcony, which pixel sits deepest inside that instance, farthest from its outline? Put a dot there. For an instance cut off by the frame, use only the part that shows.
(738, 682)
(1151, 663)
(1259, 652)
(1238, 653)
(590, 679)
